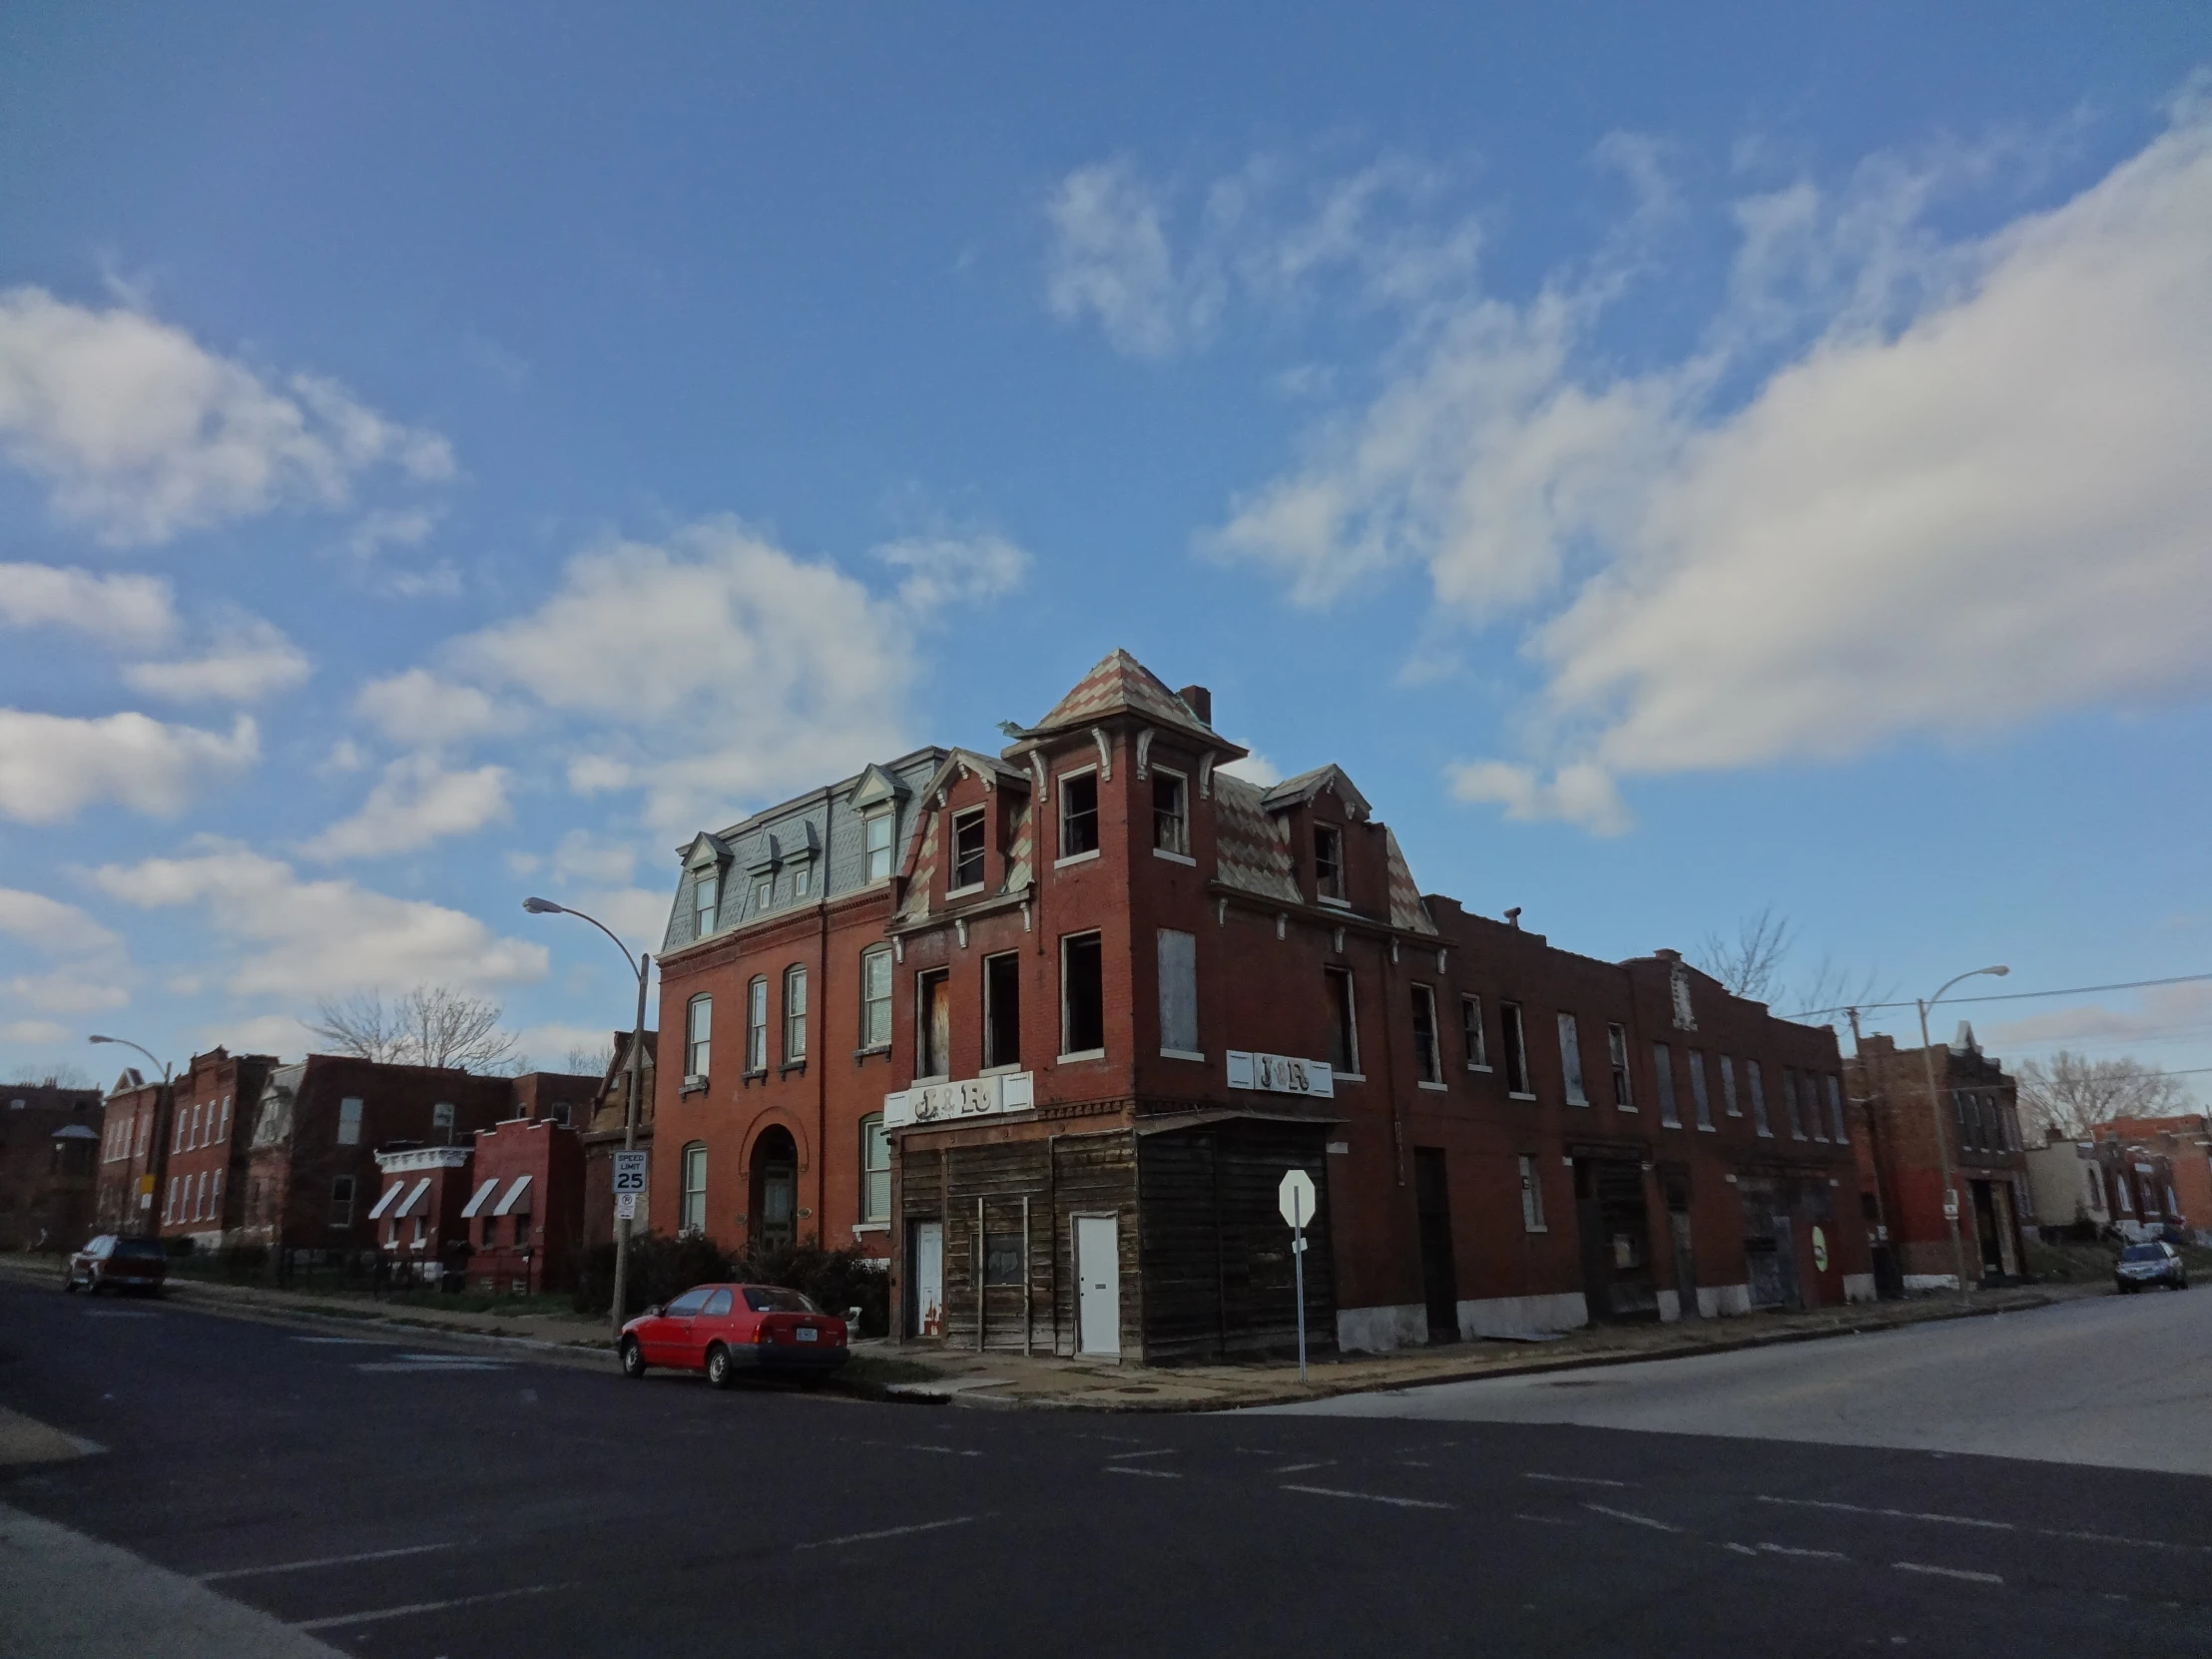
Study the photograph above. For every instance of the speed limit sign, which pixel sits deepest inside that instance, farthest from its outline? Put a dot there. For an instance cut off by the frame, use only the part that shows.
(630, 1172)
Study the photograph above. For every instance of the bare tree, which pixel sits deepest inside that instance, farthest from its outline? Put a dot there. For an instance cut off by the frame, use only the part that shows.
(2070, 1094)
(431, 1026)
(591, 1062)
(1750, 964)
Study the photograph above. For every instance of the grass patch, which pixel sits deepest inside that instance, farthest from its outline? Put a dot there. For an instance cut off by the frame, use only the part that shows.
(2070, 1264)
(871, 1370)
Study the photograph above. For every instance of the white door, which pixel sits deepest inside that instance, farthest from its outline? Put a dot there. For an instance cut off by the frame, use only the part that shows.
(1098, 1283)
(926, 1261)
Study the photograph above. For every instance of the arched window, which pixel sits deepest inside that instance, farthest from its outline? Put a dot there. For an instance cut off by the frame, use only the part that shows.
(697, 1029)
(694, 1215)
(755, 1026)
(794, 1015)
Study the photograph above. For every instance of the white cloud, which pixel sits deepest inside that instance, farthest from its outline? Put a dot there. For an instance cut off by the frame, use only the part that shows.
(1579, 793)
(391, 527)
(282, 1035)
(581, 856)
(52, 766)
(33, 1033)
(139, 432)
(943, 570)
(130, 611)
(308, 938)
(419, 708)
(1963, 487)
(2160, 1011)
(415, 802)
(719, 666)
(1110, 261)
(85, 968)
(250, 660)
(1255, 768)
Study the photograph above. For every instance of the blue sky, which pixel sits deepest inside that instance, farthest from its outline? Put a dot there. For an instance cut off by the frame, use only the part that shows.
(1680, 461)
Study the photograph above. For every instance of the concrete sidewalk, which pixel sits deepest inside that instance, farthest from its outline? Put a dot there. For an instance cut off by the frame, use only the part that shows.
(1042, 1380)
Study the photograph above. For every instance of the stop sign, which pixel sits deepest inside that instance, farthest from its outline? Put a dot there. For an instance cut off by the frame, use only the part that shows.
(1296, 1197)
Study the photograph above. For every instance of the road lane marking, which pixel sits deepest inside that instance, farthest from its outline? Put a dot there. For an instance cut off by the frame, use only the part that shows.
(888, 1532)
(1576, 1479)
(1300, 1468)
(1631, 1515)
(1163, 1451)
(946, 1451)
(339, 1620)
(2071, 1535)
(1810, 1555)
(1553, 1520)
(1369, 1498)
(1948, 1572)
(419, 1368)
(1155, 1474)
(340, 1341)
(317, 1561)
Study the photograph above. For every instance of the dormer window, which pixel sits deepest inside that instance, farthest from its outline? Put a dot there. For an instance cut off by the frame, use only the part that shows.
(967, 849)
(762, 891)
(1329, 862)
(707, 899)
(802, 881)
(876, 837)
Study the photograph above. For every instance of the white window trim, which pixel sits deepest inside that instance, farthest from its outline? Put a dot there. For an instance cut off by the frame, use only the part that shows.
(968, 892)
(1440, 1088)
(1473, 1068)
(1510, 1095)
(1078, 1056)
(1007, 1070)
(1179, 1054)
(1073, 858)
(1059, 798)
(1349, 1077)
(1332, 904)
(1156, 853)
(872, 1227)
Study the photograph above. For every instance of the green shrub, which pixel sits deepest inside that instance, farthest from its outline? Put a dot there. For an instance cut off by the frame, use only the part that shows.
(662, 1268)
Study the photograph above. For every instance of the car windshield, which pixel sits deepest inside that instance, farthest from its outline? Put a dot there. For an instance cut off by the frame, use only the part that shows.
(773, 1299)
(2144, 1253)
(139, 1249)
(688, 1304)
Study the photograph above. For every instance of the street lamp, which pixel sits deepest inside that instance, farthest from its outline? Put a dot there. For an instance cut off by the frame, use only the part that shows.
(1942, 1139)
(127, 1043)
(642, 967)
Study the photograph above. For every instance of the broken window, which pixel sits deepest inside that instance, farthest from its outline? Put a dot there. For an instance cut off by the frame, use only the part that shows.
(1171, 822)
(1082, 995)
(1728, 1088)
(1343, 1024)
(1470, 1033)
(1429, 1060)
(1570, 1060)
(1758, 1097)
(1002, 1009)
(1078, 814)
(968, 851)
(1517, 1049)
(1836, 1115)
(1328, 861)
(1616, 1053)
(1701, 1099)
(933, 1023)
(1662, 1065)
(341, 1201)
(1790, 1103)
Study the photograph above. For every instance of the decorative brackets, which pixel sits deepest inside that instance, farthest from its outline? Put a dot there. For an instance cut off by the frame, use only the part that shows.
(1105, 753)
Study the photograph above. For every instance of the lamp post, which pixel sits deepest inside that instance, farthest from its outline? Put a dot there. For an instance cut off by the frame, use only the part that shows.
(127, 1043)
(1936, 1115)
(642, 967)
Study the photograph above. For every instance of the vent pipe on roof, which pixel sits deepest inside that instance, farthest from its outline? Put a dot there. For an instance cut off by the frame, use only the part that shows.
(1198, 701)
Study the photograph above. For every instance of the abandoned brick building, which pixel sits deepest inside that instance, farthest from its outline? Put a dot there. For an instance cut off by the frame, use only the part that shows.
(1043, 1031)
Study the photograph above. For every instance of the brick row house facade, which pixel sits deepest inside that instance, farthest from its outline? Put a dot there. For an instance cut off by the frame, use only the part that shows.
(1901, 1161)
(49, 1165)
(1044, 1029)
(134, 1155)
(2135, 1179)
(501, 1209)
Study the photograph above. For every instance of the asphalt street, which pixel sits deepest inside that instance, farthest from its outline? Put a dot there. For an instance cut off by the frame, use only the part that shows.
(396, 1498)
(2119, 1380)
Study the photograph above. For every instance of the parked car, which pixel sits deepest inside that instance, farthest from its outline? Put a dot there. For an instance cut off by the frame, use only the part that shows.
(2143, 1264)
(111, 1263)
(723, 1329)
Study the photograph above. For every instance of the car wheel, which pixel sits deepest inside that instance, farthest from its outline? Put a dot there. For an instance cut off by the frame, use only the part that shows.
(719, 1369)
(633, 1357)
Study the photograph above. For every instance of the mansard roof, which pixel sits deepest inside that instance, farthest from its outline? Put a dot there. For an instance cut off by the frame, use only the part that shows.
(1119, 684)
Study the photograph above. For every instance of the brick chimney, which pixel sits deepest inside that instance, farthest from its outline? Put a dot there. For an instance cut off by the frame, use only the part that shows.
(1200, 702)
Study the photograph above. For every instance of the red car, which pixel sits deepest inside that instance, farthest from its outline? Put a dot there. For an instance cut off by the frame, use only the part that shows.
(725, 1328)
(110, 1263)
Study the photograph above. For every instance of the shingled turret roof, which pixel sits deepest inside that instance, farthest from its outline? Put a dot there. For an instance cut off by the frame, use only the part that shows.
(1119, 684)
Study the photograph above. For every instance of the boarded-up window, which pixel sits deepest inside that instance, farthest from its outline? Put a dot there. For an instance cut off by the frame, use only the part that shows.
(932, 1024)
(1662, 1065)
(1758, 1097)
(1177, 991)
(1701, 1097)
(1002, 1259)
(349, 1122)
(1570, 1060)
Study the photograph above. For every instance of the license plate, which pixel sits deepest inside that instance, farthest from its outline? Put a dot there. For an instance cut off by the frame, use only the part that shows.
(806, 1336)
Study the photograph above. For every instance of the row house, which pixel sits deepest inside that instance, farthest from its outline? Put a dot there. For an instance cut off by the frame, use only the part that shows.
(501, 1211)
(49, 1151)
(1045, 1029)
(134, 1155)
(1970, 1133)
(260, 1153)
(2181, 1148)
(2066, 1190)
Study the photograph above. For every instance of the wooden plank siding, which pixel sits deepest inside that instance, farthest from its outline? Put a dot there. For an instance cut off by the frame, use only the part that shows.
(1216, 1260)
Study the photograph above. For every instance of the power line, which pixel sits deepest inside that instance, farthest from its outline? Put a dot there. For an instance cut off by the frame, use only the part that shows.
(2007, 996)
